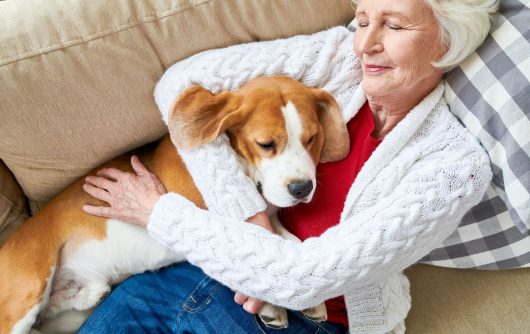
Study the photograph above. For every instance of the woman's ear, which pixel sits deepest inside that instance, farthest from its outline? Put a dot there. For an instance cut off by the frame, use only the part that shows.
(336, 139)
(197, 116)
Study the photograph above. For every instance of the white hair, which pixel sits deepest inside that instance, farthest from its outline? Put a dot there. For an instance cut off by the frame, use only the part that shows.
(464, 25)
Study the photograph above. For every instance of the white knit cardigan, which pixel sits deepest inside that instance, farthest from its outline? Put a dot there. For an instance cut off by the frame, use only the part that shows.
(408, 197)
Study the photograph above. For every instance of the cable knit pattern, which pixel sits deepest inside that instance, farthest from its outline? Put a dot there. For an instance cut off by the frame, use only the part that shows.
(410, 195)
(224, 186)
(324, 60)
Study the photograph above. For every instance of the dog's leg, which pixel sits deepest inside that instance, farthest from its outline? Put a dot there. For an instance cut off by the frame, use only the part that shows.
(318, 313)
(64, 291)
(19, 308)
(90, 295)
(65, 323)
(273, 316)
(72, 294)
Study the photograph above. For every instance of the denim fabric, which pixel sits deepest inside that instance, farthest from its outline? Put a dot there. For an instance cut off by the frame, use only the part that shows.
(182, 299)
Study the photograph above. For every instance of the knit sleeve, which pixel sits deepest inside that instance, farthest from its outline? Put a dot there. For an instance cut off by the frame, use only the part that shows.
(225, 188)
(365, 247)
(324, 59)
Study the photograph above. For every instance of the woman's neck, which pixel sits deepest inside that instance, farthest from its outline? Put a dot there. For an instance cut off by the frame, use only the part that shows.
(389, 110)
(386, 115)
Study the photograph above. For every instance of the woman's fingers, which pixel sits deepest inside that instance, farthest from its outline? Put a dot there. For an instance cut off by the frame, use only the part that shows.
(138, 166)
(112, 173)
(131, 196)
(253, 305)
(97, 192)
(240, 298)
(101, 211)
(101, 182)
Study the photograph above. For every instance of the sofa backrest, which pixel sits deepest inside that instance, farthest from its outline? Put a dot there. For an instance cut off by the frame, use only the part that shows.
(77, 76)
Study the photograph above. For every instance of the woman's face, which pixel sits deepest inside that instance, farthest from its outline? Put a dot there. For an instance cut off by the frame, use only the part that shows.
(396, 42)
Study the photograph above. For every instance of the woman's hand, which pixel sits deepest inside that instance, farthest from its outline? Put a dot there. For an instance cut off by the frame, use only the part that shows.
(250, 304)
(131, 196)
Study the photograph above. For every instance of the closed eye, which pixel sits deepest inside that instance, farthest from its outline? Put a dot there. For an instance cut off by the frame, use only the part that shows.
(394, 27)
(267, 146)
(311, 140)
(362, 24)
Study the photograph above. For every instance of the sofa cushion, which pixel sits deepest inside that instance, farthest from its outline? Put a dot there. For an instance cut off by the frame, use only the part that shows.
(12, 204)
(77, 76)
(447, 301)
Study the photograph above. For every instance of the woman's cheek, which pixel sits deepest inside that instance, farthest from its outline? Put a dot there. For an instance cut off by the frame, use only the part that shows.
(409, 63)
(355, 45)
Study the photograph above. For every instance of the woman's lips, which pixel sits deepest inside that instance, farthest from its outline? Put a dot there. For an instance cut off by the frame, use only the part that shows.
(371, 68)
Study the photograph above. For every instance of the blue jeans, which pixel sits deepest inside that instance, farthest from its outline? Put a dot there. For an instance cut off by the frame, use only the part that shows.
(182, 299)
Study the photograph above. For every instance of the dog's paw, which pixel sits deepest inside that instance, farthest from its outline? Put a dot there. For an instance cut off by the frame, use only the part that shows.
(273, 316)
(90, 295)
(318, 313)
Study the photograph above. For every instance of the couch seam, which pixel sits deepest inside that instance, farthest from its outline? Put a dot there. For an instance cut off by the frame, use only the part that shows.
(76, 41)
(11, 204)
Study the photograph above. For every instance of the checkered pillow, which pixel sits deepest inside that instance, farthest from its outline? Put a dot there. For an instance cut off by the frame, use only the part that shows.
(490, 94)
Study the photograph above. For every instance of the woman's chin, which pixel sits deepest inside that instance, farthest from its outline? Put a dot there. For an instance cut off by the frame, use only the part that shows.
(376, 87)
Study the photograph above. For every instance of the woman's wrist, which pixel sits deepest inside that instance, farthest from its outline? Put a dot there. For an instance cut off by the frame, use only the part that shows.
(170, 209)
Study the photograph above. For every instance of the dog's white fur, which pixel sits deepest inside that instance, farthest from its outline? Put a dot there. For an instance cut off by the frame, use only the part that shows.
(294, 163)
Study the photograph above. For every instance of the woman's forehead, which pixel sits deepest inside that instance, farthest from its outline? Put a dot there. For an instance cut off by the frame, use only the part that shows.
(403, 9)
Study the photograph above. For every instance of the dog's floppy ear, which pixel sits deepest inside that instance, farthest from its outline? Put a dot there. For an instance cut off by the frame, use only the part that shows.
(197, 116)
(336, 139)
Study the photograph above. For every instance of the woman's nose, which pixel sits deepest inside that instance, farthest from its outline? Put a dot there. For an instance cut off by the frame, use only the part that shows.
(371, 41)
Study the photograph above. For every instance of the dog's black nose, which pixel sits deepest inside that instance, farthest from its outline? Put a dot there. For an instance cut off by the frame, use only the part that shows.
(300, 189)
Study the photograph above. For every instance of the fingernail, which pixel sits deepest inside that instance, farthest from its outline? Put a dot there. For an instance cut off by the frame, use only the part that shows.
(250, 308)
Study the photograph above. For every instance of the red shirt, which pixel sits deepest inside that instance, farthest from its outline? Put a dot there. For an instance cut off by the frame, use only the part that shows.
(334, 180)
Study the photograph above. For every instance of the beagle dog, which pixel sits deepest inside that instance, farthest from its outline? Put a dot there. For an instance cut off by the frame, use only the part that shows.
(61, 262)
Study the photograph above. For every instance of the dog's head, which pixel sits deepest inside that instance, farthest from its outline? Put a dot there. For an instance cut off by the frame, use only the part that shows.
(280, 128)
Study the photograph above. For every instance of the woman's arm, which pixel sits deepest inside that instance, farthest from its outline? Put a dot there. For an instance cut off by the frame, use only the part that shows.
(422, 210)
(324, 59)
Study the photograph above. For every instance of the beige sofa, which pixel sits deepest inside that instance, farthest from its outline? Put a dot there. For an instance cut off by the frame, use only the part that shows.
(76, 90)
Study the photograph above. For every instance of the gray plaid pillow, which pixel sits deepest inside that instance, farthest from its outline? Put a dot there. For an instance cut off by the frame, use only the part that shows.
(490, 94)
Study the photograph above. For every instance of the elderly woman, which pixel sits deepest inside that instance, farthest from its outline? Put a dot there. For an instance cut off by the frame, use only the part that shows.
(413, 172)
